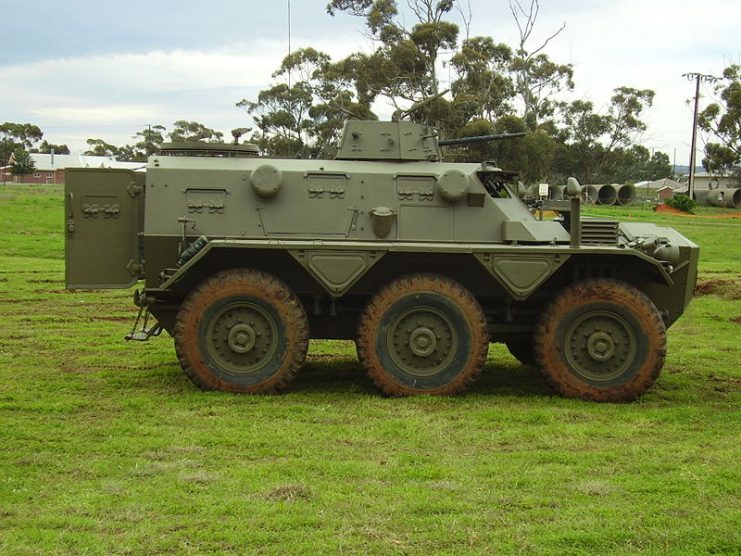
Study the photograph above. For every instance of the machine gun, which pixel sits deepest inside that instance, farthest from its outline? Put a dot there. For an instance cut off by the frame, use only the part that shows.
(480, 138)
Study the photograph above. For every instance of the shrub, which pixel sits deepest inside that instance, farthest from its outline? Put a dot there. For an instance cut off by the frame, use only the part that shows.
(682, 202)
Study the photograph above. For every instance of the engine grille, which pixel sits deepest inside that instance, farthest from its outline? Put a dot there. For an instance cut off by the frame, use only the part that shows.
(595, 231)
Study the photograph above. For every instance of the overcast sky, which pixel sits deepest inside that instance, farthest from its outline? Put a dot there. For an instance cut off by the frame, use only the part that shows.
(82, 69)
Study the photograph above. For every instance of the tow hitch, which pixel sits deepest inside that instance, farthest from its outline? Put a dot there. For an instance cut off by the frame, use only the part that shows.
(140, 332)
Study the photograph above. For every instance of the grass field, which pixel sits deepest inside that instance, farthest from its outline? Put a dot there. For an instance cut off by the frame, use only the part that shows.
(108, 448)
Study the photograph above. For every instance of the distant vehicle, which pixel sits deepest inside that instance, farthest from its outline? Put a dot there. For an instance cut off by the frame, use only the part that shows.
(423, 263)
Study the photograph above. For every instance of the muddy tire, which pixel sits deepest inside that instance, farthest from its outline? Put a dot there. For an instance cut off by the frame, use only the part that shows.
(523, 351)
(423, 334)
(241, 331)
(601, 340)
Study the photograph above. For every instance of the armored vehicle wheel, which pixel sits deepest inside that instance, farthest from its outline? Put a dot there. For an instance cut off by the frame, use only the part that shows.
(523, 351)
(241, 331)
(423, 334)
(601, 340)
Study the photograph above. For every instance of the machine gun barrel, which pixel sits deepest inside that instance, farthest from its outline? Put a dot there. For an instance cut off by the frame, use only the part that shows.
(480, 138)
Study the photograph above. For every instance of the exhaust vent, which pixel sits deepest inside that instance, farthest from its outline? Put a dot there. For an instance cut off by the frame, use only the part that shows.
(595, 231)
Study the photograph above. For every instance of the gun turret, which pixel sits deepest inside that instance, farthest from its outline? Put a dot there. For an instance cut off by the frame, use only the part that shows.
(480, 139)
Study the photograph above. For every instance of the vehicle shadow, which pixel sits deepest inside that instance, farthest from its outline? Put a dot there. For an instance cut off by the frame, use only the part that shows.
(346, 375)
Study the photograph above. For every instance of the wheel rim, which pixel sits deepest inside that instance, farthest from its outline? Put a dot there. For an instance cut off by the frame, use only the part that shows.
(241, 337)
(600, 346)
(422, 341)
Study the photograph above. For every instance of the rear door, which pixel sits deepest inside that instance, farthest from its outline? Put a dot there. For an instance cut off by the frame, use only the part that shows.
(104, 215)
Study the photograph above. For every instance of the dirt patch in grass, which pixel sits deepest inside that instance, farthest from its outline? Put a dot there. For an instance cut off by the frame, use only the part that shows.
(66, 291)
(666, 209)
(735, 320)
(706, 287)
(87, 368)
(728, 289)
(113, 319)
(289, 493)
(718, 215)
(725, 384)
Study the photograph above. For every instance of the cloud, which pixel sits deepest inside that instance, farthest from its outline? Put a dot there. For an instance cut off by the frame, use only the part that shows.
(114, 96)
(641, 44)
(97, 114)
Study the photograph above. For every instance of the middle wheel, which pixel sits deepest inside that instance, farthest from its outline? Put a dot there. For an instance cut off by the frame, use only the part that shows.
(423, 334)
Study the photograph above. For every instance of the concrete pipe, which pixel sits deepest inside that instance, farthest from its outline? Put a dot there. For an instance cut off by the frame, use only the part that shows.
(601, 194)
(590, 194)
(728, 198)
(555, 192)
(521, 190)
(626, 194)
(701, 196)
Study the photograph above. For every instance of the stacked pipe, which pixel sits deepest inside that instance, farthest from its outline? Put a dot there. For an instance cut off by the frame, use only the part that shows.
(701, 196)
(626, 194)
(727, 198)
(555, 192)
(601, 194)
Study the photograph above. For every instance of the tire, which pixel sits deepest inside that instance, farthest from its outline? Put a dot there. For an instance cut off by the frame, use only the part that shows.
(423, 334)
(601, 340)
(241, 331)
(523, 351)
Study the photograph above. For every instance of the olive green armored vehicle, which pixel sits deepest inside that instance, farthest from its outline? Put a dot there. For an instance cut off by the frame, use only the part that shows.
(422, 263)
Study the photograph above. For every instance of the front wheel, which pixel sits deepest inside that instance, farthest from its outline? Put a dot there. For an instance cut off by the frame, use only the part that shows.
(241, 331)
(601, 340)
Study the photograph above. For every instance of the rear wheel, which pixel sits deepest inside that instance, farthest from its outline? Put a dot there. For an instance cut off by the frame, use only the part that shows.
(241, 331)
(601, 340)
(423, 334)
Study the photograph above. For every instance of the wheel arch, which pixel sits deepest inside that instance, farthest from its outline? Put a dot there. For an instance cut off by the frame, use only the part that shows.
(461, 267)
(636, 271)
(216, 257)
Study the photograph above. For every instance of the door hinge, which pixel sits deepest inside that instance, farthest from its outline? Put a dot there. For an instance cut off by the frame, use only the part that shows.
(133, 189)
(135, 269)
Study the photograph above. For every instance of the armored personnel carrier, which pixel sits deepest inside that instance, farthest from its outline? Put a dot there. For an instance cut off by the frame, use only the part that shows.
(422, 263)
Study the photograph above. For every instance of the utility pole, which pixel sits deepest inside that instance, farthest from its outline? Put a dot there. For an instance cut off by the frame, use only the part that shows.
(698, 77)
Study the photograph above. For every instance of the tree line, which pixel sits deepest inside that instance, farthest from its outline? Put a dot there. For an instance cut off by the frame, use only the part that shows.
(18, 140)
(492, 87)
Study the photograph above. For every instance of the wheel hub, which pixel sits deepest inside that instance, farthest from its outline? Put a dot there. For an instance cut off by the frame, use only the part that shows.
(422, 341)
(241, 337)
(600, 345)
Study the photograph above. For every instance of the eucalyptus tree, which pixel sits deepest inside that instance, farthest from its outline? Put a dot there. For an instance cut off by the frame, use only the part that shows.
(46, 148)
(411, 53)
(538, 79)
(185, 130)
(15, 136)
(722, 121)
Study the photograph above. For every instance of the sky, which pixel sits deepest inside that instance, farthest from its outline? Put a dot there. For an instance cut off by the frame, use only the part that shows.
(80, 69)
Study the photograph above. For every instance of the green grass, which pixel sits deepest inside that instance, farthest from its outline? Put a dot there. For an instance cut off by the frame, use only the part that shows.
(108, 448)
